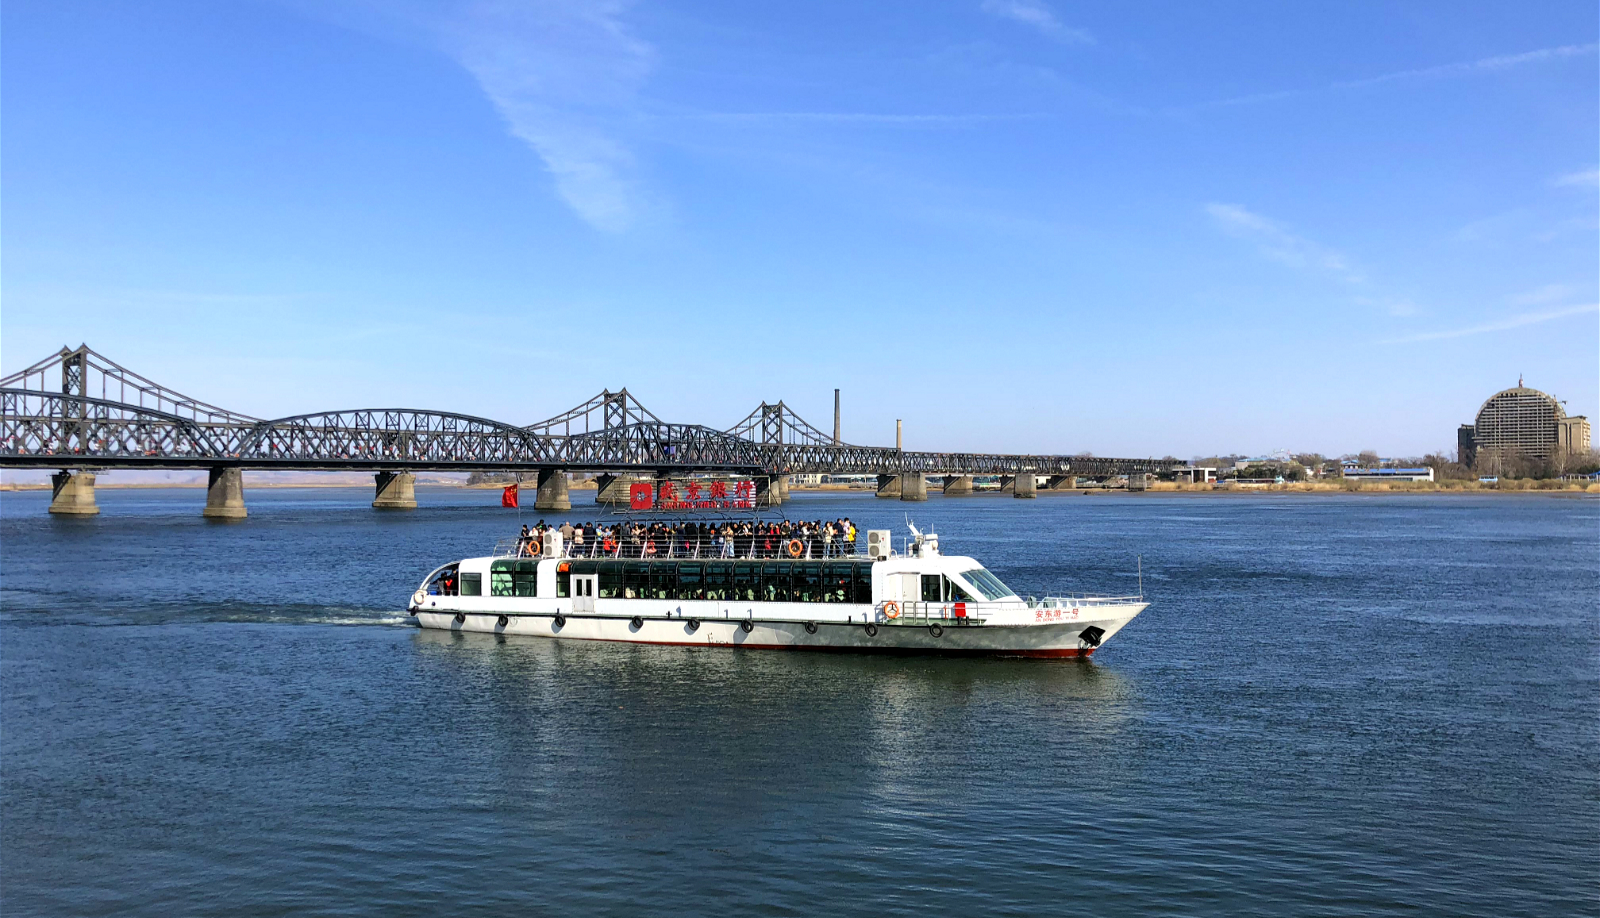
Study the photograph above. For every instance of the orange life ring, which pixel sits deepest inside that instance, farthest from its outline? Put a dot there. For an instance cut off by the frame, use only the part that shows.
(795, 548)
(891, 609)
(533, 547)
(609, 545)
(649, 547)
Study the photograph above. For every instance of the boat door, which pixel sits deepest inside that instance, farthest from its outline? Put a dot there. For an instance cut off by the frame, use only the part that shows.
(583, 592)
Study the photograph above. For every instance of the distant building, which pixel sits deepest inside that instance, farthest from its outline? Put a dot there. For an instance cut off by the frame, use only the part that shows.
(1521, 423)
(1422, 474)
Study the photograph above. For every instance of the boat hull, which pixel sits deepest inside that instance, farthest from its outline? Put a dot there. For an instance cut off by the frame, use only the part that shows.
(1064, 639)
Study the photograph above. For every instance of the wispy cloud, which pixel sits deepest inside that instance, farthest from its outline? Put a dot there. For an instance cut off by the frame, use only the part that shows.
(563, 73)
(1518, 321)
(870, 118)
(1549, 293)
(1442, 71)
(1468, 68)
(1278, 243)
(1036, 14)
(1583, 178)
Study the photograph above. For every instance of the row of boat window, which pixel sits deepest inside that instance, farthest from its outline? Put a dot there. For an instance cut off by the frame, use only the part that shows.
(734, 581)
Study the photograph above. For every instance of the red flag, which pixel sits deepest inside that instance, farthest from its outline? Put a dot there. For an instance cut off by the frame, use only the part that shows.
(508, 497)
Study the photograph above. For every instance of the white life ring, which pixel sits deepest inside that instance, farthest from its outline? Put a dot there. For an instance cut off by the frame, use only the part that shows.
(418, 598)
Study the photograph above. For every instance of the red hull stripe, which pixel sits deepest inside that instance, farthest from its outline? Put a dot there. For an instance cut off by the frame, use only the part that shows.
(1053, 654)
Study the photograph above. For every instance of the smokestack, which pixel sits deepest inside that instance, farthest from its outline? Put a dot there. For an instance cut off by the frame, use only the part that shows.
(836, 417)
(898, 428)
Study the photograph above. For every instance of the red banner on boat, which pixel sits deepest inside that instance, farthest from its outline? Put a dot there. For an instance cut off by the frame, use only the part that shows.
(641, 496)
(508, 497)
(693, 495)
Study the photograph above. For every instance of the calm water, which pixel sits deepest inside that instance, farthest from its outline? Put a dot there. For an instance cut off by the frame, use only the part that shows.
(1338, 705)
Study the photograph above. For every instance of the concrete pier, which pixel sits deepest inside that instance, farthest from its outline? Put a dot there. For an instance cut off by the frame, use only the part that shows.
(1061, 482)
(73, 494)
(614, 488)
(225, 494)
(783, 489)
(552, 491)
(913, 486)
(1138, 481)
(1026, 485)
(958, 486)
(396, 491)
(889, 486)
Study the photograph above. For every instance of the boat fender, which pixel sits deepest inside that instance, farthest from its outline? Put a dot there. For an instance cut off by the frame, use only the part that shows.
(503, 621)
(418, 598)
(637, 623)
(872, 631)
(461, 618)
(795, 548)
(936, 631)
(891, 609)
(694, 625)
(747, 625)
(1092, 635)
(811, 627)
(560, 622)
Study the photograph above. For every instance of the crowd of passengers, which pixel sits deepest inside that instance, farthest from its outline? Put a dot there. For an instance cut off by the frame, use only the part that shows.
(726, 539)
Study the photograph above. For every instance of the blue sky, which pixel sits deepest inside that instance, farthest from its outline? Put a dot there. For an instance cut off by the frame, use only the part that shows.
(1131, 229)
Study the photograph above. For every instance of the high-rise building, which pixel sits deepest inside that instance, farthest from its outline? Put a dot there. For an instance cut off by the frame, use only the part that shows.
(1522, 423)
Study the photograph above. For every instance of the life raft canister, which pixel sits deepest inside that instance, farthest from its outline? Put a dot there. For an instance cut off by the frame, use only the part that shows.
(795, 548)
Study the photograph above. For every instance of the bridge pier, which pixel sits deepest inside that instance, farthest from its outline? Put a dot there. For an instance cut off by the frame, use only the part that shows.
(913, 486)
(396, 491)
(1026, 486)
(1061, 482)
(552, 491)
(225, 494)
(958, 485)
(73, 494)
(783, 489)
(614, 488)
(889, 486)
(1138, 481)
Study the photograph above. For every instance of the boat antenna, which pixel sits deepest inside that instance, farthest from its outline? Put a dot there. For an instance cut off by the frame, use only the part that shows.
(913, 526)
(1141, 576)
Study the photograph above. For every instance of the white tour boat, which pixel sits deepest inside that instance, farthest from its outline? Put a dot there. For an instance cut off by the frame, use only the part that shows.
(918, 601)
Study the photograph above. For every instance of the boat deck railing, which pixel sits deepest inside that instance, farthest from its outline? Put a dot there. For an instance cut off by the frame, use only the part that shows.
(702, 550)
(1078, 601)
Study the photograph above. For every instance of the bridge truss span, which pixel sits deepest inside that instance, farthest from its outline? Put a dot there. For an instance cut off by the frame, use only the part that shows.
(79, 410)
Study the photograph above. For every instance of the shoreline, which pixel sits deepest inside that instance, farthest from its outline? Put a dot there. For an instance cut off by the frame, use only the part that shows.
(1570, 491)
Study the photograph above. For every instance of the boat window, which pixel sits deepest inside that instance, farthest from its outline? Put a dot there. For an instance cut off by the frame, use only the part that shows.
(838, 582)
(690, 585)
(775, 582)
(610, 580)
(636, 580)
(663, 580)
(932, 588)
(987, 584)
(718, 573)
(525, 580)
(471, 584)
(863, 582)
(501, 579)
(806, 583)
(746, 582)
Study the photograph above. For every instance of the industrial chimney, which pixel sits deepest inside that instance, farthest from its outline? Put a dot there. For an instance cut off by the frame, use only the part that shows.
(836, 417)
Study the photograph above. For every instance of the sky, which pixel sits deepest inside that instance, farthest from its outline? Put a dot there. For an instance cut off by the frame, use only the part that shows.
(1151, 229)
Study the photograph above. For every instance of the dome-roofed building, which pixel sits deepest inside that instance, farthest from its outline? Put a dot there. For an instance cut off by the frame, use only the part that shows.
(1522, 423)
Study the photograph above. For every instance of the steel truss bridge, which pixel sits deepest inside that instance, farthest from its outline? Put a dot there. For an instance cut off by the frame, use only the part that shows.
(78, 410)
